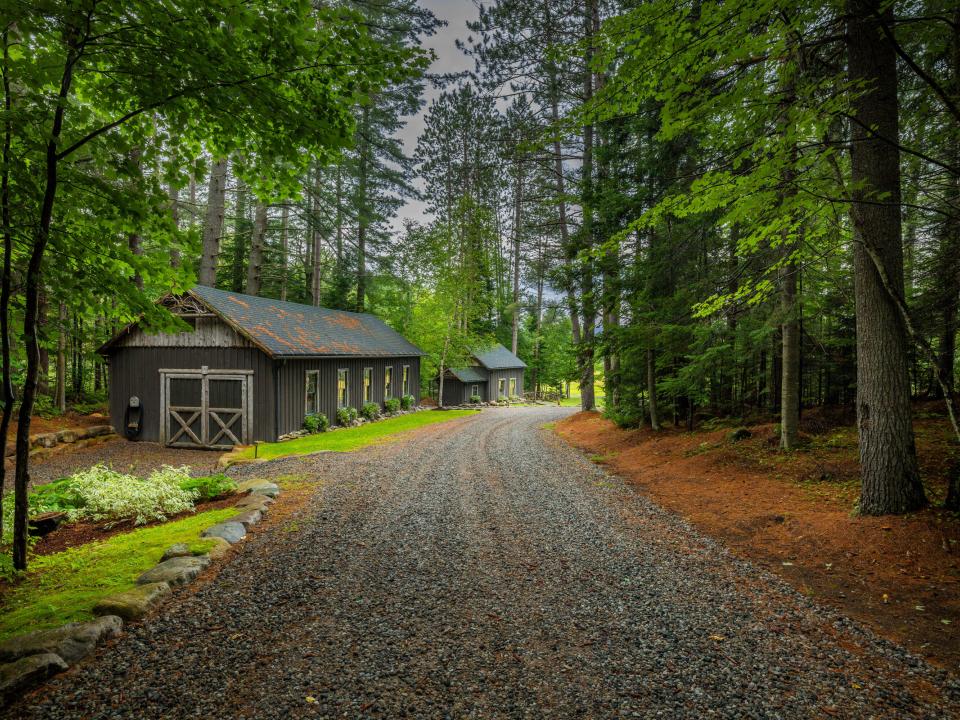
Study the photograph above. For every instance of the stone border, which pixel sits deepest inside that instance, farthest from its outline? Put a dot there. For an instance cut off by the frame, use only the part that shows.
(45, 443)
(29, 660)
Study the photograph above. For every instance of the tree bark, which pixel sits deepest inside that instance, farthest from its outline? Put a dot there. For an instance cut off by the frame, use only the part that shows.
(173, 192)
(241, 242)
(32, 292)
(890, 478)
(363, 212)
(213, 223)
(284, 249)
(5, 281)
(517, 216)
(257, 241)
(652, 390)
(61, 393)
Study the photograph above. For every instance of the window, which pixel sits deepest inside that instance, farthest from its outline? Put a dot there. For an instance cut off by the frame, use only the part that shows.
(513, 387)
(405, 381)
(367, 384)
(474, 390)
(311, 406)
(502, 387)
(343, 388)
(388, 383)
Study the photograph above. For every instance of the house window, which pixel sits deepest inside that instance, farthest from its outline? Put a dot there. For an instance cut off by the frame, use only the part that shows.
(312, 405)
(502, 387)
(513, 387)
(405, 385)
(367, 384)
(388, 383)
(474, 390)
(343, 388)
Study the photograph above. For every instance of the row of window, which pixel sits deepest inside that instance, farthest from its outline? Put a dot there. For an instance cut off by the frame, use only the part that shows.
(343, 387)
(501, 388)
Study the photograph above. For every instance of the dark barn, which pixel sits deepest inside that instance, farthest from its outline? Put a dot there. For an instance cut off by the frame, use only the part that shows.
(496, 374)
(251, 369)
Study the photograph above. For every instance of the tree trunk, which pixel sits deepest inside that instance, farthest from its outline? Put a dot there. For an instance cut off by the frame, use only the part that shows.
(241, 239)
(133, 239)
(284, 220)
(890, 479)
(213, 224)
(652, 389)
(6, 386)
(61, 393)
(31, 340)
(517, 205)
(316, 256)
(363, 212)
(173, 192)
(257, 242)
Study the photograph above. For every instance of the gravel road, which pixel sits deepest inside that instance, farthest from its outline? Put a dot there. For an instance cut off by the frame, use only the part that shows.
(482, 569)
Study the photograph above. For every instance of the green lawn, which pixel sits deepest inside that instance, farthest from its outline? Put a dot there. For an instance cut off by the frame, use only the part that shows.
(352, 438)
(64, 587)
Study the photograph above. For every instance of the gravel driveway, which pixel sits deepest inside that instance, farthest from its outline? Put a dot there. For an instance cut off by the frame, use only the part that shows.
(483, 569)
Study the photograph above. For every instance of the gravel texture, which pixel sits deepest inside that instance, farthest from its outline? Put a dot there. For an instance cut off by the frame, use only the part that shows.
(137, 458)
(483, 569)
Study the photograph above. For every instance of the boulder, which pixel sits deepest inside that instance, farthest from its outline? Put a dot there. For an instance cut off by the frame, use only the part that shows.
(248, 518)
(71, 642)
(176, 550)
(255, 502)
(23, 674)
(219, 548)
(232, 532)
(134, 603)
(47, 440)
(259, 487)
(69, 436)
(175, 571)
(98, 430)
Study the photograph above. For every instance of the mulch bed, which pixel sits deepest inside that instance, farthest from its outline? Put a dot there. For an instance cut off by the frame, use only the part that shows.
(76, 534)
(792, 514)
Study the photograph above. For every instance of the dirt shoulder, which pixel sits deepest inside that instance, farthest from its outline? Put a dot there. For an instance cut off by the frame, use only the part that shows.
(792, 513)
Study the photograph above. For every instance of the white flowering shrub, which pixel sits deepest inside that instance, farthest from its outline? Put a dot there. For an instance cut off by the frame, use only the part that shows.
(104, 494)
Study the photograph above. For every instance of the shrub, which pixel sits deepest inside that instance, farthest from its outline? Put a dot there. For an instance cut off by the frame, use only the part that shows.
(104, 494)
(370, 410)
(346, 415)
(210, 487)
(515, 398)
(476, 399)
(392, 405)
(407, 402)
(315, 423)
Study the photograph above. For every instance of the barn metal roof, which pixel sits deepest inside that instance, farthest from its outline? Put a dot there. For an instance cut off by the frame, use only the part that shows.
(286, 329)
(468, 375)
(499, 358)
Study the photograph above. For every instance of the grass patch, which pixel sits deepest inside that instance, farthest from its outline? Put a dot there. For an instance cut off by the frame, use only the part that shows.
(64, 587)
(354, 438)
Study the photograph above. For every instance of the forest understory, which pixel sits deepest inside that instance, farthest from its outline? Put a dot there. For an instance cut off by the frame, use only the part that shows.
(793, 513)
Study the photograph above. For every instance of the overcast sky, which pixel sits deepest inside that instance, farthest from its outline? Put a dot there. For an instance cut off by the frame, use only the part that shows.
(449, 59)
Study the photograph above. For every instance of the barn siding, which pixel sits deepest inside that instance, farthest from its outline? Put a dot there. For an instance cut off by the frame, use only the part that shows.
(494, 383)
(135, 371)
(292, 376)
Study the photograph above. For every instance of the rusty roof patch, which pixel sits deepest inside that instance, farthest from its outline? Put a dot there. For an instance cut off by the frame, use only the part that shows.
(285, 329)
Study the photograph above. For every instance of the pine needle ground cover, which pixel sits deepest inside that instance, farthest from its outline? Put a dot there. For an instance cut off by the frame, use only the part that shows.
(349, 439)
(792, 513)
(64, 587)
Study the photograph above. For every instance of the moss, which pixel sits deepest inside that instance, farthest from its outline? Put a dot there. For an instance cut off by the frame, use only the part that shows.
(354, 438)
(65, 586)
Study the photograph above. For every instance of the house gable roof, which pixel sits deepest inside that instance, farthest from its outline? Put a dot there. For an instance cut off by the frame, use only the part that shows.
(469, 375)
(285, 329)
(499, 358)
